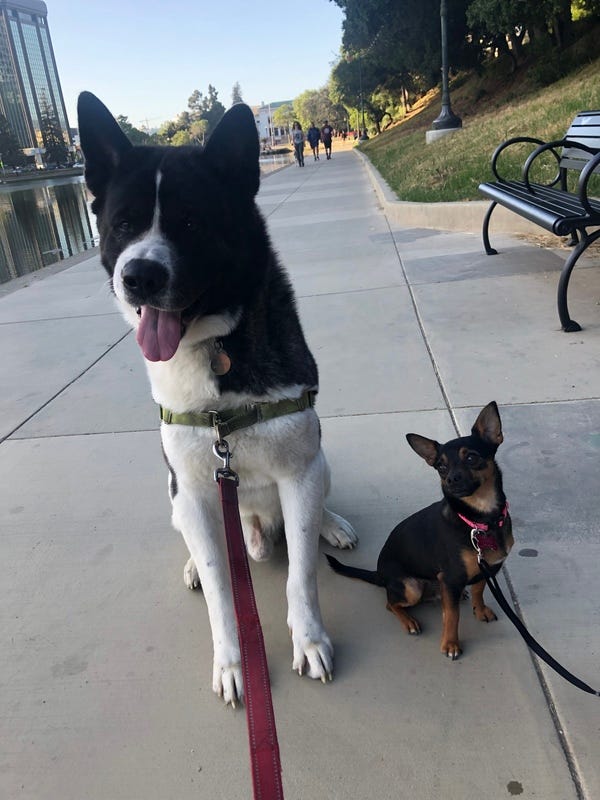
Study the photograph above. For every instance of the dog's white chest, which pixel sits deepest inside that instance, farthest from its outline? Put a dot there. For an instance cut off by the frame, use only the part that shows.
(259, 454)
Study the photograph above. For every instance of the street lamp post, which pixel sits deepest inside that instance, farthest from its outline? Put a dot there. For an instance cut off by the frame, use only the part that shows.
(364, 135)
(446, 119)
(271, 127)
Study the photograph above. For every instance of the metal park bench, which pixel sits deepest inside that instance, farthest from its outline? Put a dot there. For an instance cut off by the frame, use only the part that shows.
(551, 205)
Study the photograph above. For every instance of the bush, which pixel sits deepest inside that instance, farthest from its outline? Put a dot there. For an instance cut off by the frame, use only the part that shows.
(548, 64)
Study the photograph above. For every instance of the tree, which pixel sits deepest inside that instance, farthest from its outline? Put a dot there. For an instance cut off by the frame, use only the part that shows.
(198, 131)
(167, 130)
(236, 94)
(135, 135)
(356, 84)
(316, 105)
(496, 22)
(181, 138)
(196, 124)
(213, 110)
(52, 135)
(398, 42)
(208, 108)
(195, 104)
(11, 153)
(586, 8)
(283, 116)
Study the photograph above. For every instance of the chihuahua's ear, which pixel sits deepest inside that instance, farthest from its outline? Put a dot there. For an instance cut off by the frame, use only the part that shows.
(488, 425)
(426, 448)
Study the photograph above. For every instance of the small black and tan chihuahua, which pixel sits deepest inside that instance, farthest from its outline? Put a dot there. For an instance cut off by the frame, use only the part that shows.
(442, 543)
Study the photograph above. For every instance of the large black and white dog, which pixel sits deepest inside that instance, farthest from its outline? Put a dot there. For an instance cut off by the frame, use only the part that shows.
(194, 273)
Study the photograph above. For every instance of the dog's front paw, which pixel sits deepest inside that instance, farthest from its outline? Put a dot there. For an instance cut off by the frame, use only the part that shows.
(313, 656)
(190, 575)
(228, 682)
(451, 649)
(484, 614)
(337, 531)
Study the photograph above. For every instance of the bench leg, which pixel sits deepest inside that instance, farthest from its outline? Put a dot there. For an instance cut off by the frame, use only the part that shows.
(573, 240)
(486, 226)
(569, 325)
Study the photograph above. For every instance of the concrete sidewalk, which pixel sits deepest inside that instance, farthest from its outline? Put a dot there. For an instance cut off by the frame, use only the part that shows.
(106, 660)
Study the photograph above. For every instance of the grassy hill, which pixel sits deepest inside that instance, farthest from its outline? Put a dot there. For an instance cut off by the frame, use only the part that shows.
(494, 106)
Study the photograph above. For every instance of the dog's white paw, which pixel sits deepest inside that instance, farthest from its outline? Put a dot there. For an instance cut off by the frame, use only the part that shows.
(313, 657)
(228, 682)
(190, 575)
(338, 531)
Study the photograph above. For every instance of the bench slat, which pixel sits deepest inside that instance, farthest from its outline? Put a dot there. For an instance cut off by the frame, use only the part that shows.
(562, 203)
(541, 217)
(575, 161)
(585, 128)
(552, 209)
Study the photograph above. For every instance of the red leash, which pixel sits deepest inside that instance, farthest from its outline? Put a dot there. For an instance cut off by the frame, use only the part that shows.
(262, 732)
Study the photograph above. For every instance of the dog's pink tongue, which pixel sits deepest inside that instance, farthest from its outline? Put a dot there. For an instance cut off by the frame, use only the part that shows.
(159, 333)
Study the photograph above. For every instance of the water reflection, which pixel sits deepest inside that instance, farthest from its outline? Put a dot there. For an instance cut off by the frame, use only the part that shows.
(43, 223)
(46, 221)
(274, 162)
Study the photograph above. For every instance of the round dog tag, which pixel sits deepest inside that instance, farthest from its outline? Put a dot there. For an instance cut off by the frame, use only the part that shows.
(220, 363)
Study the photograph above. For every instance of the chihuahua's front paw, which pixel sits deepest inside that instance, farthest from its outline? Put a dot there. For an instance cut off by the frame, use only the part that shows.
(451, 649)
(484, 614)
(337, 531)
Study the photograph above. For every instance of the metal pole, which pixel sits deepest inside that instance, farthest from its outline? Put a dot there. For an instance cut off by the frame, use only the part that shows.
(364, 135)
(446, 118)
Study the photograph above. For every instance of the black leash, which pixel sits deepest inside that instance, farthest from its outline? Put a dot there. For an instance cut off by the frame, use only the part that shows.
(529, 640)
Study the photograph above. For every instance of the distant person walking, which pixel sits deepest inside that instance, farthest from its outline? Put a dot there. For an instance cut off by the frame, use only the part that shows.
(326, 134)
(297, 137)
(313, 134)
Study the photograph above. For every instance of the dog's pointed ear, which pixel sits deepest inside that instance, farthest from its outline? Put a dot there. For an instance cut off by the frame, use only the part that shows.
(488, 425)
(426, 448)
(233, 149)
(102, 141)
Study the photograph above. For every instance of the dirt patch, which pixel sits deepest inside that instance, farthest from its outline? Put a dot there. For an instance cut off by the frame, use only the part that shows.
(551, 242)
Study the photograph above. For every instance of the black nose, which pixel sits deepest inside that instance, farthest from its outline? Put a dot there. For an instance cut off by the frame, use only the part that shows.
(144, 278)
(456, 476)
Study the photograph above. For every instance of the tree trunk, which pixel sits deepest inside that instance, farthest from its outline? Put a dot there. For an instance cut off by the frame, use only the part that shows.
(561, 24)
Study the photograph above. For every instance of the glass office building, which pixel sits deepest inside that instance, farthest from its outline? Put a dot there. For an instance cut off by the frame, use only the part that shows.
(29, 85)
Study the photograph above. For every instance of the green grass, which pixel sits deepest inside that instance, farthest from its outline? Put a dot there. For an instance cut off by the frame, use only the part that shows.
(453, 167)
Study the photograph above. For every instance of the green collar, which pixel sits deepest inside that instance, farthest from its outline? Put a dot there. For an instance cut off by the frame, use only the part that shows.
(233, 419)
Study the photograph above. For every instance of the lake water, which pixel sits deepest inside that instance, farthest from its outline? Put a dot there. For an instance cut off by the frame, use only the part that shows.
(42, 222)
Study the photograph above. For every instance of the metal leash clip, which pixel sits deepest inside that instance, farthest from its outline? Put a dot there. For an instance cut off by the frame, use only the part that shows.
(475, 543)
(221, 450)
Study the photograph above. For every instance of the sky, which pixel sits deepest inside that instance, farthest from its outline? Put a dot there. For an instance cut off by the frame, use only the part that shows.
(144, 59)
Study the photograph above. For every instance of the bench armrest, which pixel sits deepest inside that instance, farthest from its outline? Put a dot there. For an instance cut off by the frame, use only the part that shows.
(586, 173)
(508, 143)
(551, 146)
(538, 151)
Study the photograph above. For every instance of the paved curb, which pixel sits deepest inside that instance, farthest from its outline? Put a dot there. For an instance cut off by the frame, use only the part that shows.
(465, 216)
(20, 282)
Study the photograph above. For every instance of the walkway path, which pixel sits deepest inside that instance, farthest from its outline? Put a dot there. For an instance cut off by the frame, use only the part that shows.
(105, 666)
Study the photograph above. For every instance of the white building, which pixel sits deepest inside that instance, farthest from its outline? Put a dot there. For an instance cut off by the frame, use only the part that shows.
(267, 132)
